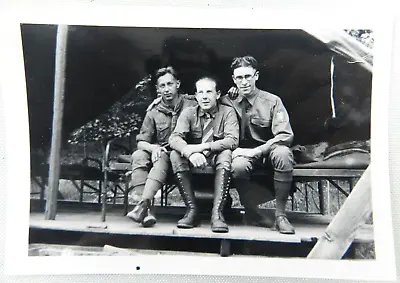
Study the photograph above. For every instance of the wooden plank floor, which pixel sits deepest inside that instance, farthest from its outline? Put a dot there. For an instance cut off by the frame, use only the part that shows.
(308, 227)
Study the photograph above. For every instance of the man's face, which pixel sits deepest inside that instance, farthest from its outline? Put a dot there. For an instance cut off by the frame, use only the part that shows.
(167, 86)
(245, 79)
(206, 94)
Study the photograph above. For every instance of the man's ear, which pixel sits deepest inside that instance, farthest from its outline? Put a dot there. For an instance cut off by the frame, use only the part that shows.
(178, 83)
(196, 96)
(256, 75)
(218, 94)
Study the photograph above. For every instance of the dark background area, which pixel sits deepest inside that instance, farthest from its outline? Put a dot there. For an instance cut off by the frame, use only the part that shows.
(105, 63)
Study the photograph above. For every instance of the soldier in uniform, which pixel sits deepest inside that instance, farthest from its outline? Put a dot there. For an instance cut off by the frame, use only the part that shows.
(204, 135)
(265, 138)
(151, 162)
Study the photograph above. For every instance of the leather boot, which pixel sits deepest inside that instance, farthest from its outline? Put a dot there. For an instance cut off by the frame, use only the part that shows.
(183, 182)
(282, 224)
(150, 189)
(149, 220)
(139, 212)
(221, 189)
(253, 215)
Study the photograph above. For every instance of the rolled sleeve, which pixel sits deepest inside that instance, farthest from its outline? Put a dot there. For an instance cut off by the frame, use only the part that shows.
(147, 131)
(231, 133)
(281, 128)
(182, 128)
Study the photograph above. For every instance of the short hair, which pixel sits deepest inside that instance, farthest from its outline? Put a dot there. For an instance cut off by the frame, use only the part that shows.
(163, 71)
(245, 61)
(211, 78)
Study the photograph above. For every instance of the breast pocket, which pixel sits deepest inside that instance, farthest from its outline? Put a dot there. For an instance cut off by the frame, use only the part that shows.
(261, 128)
(261, 123)
(162, 132)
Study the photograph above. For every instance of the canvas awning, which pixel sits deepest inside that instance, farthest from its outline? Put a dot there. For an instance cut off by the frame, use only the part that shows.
(345, 45)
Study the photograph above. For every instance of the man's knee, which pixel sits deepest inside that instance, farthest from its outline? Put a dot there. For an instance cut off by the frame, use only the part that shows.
(178, 163)
(224, 160)
(159, 171)
(141, 158)
(282, 158)
(163, 161)
(175, 156)
(140, 168)
(241, 167)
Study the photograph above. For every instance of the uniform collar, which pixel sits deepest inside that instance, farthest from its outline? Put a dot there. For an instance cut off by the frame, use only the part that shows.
(163, 107)
(251, 99)
(212, 114)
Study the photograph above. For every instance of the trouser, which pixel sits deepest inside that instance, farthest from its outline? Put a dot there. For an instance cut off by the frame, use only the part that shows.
(279, 160)
(221, 160)
(143, 169)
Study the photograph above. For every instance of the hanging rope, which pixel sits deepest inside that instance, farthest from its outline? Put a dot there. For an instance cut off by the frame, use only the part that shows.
(332, 88)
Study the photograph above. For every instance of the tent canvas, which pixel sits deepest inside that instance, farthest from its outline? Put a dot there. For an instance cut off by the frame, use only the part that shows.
(105, 63)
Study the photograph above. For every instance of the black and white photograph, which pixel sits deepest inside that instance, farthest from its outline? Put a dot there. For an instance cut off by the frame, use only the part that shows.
(215, 144)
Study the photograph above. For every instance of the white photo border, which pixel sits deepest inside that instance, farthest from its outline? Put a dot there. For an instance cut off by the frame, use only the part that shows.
(17, 144)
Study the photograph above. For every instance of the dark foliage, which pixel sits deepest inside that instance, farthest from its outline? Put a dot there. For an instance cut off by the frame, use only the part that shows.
(365, 36)
(122, 119)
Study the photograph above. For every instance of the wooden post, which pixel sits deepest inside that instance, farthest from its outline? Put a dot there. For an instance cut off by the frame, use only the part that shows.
(58, 107)
(321, 198)
(306, 192)
(341, 231)
(106, 147)
(328, 188)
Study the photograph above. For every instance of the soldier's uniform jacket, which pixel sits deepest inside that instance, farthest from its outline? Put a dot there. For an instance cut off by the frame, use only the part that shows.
(267, 122)
(160, 120)
(189, 128)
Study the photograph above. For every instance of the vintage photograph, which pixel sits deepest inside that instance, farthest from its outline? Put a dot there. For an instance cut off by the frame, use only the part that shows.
(207, 142)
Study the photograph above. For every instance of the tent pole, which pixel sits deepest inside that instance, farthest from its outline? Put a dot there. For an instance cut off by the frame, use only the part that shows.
(342, 230)
(58, 107)
(332, 88)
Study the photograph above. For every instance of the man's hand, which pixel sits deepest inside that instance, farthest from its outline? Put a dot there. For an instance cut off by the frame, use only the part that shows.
(198, 160)
(247, 152)
(194, 148)
(156, 153)
(233, 93)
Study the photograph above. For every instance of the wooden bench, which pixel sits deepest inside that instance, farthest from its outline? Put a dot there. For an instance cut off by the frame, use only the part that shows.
(79, 174)
(303, 173)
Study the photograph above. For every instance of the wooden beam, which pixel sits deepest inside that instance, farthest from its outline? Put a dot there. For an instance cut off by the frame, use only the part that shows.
(58, 107)
(321, 197)
(342, 230)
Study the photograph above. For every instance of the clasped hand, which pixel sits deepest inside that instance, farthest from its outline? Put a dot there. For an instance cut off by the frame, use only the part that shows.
(194, 153)
(194, 148)
(198, 160)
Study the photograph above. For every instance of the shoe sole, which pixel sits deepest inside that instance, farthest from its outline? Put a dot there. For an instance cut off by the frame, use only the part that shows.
(287, 232)
(220, 230)
(276, 228)
(149, 223)
(186, 226)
